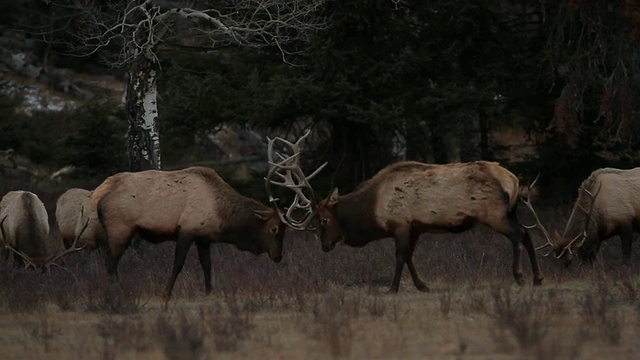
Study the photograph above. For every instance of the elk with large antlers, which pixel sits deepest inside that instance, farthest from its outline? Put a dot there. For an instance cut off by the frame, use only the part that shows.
(409, 198)
(193, 205)
(24, 230)
(607, 205)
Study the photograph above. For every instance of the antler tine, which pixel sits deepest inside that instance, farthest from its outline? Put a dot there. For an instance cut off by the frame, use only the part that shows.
(294, 146)
(309, 177)
(538, 223)
(302, 224)
(300, 200)
(28, 261)
(583, 235)
(51, 260)
(288, 163)
(288, 169)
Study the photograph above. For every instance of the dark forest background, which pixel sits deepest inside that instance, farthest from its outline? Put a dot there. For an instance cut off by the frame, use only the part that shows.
(541, 86)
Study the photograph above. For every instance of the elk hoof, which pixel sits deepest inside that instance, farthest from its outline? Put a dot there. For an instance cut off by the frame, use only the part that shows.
(392, 291)
(538, 281)
(422, 287)
(519, 279)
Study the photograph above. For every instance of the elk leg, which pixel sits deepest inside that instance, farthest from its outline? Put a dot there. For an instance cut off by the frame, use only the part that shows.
(419, 284)
(512, 230)
(402, 249)
(517, 267)
(205, 262)
(182, 248)
(626, 237)
(533, 259)
(114, 253)
(118, 238)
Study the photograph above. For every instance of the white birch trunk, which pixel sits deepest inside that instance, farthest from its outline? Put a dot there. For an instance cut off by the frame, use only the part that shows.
(142, 106)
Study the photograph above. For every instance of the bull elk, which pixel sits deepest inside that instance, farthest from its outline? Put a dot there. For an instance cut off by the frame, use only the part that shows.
(607, 205)
(24, 230)
(193, 205)
(73, 210)
(409, 198)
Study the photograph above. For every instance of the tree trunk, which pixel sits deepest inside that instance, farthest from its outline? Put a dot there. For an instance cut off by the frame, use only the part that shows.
(142, 114)
(483, 122)
(438, 143)
(357, 152)
(467, 137)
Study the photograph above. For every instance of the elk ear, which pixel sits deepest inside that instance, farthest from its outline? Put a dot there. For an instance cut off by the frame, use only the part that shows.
(556, 235)
(333, 198)
(263, 215)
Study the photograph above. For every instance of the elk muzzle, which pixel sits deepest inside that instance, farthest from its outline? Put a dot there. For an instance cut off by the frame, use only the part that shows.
(328, 247)
(568, 258)
(276, 258)
(329, 244)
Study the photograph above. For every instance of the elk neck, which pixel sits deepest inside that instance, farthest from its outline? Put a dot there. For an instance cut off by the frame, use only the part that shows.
(355, 211)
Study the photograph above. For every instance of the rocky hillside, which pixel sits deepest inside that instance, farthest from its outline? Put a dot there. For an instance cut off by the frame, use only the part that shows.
(47, 84)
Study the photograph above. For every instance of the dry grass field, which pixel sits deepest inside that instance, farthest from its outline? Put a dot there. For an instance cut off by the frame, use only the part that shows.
(316, 305)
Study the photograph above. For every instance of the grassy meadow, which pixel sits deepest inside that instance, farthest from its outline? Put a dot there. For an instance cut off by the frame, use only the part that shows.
(316, 305)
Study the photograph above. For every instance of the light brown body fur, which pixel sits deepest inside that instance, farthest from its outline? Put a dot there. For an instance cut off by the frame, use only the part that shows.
(616, 211)
(73, 209)
(409, 198)
(25, 224)
(190, 205)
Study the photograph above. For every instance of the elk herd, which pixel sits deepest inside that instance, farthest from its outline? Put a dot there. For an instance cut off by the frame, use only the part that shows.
(402, 201)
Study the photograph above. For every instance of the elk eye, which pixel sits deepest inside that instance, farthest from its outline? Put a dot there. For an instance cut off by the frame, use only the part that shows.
(274, 230)
(324, 221)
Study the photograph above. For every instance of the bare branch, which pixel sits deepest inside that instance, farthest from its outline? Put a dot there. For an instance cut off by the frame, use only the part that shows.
(138, 27)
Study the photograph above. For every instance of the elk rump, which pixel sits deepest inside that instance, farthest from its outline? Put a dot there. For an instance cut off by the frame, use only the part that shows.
(73, 211)
(24, 225)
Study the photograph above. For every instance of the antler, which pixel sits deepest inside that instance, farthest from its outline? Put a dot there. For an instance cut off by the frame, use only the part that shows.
(293, 178)
(49, 261)
(538, 223)
(583, 234)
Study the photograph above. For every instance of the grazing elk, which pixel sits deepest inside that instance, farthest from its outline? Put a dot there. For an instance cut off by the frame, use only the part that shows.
(73, 210)
(24, 230)
(186, 206)
(608, 204)
(409, 198)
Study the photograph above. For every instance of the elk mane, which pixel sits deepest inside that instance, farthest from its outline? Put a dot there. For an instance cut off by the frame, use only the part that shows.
(238, 205)
(211, 176)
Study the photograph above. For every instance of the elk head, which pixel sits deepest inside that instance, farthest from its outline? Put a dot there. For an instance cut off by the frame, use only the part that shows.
(271, 233)
(287, 167)
(331, 231)
(565, 245)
